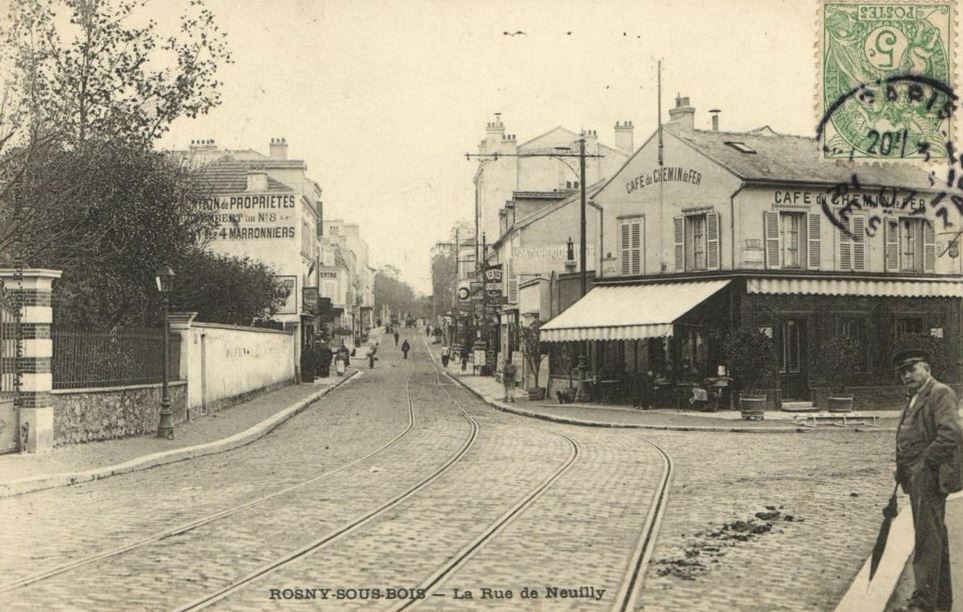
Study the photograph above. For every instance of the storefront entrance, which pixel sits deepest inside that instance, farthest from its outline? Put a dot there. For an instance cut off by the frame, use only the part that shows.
(793, 359)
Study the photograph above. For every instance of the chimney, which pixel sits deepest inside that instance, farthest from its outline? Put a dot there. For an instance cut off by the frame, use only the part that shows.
(206, 144)
(682, 115)
(625, 136)
(715, 119)
(257, 181)
(279, 148)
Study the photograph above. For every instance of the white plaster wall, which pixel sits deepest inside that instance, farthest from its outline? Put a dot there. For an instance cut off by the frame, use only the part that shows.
(225, 361)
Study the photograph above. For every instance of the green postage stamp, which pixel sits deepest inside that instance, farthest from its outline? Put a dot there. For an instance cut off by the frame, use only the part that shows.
(886, 79)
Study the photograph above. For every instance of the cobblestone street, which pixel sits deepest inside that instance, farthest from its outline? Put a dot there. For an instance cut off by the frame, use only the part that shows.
(819, 494)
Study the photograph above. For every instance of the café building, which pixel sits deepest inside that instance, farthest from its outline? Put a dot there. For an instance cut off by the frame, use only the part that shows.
(712, 230)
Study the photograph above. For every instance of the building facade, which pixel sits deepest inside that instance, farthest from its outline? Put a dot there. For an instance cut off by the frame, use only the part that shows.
(751, 228)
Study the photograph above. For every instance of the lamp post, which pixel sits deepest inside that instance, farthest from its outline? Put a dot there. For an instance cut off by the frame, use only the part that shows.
(165, 285)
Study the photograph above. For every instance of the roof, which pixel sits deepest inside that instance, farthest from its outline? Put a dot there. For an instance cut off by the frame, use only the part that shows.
(227, 175)
(780, 158)
(590, 192)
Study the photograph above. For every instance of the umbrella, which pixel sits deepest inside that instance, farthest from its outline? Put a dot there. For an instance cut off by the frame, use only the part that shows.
(889, 513)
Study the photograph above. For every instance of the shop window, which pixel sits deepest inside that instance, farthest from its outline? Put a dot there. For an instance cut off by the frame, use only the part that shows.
(694, 354)
(906, 326)
(855, 329)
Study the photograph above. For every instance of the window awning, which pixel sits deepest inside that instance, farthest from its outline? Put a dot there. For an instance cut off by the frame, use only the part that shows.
(628, 312)
(924, 287)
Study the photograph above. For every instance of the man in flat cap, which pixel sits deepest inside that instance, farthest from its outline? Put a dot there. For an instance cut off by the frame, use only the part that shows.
(928, 465)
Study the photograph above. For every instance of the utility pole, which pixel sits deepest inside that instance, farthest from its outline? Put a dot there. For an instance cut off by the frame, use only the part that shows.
(582, 156)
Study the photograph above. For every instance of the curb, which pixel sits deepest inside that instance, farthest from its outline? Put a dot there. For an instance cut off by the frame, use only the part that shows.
(700, 428)
(865, 596)
(40, 483)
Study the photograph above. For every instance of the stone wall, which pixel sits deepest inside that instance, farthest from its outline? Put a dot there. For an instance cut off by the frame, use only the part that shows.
(87, 415)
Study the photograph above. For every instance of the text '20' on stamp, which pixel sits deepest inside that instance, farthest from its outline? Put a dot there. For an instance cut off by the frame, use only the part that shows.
(886, 77)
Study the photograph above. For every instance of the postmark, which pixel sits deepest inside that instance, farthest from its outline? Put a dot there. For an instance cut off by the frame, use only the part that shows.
(884, 75)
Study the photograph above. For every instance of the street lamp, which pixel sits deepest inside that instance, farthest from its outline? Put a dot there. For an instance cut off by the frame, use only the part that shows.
(165, 285)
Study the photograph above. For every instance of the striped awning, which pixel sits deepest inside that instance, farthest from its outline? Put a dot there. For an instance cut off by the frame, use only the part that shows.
(928, 287)
(628, 312)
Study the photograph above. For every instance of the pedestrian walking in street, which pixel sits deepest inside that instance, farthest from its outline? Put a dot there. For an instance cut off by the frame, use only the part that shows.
(405, 347)
(428, 330)
(929, 462)
(372, 355)
(397, 335)
(464, 360)
(445, 356)
(508, 379)
(345, 354)
(340, 364)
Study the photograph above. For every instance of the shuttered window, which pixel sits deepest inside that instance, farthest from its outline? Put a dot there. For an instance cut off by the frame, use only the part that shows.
(713, 254)
(697, 244)
(512, 282)
(770, 222)
(630, 245)
(852, 243)
(678, 227)
(814, 243)
(792, 228)
(910, 245)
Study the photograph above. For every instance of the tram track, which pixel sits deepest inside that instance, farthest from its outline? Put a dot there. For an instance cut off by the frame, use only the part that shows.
(630, 590)
(216, 516)
(355, 525)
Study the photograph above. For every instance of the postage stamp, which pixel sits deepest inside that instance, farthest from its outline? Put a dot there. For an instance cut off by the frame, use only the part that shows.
(886, 77)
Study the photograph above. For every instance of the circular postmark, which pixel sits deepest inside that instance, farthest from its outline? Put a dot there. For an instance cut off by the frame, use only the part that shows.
(885, 70)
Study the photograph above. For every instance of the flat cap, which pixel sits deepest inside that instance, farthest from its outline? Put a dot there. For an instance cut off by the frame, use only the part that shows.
(907, 357)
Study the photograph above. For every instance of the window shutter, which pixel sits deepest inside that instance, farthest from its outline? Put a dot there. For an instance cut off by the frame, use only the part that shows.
(679, 243)
(845, 244)
(636, 247)
(512, 285)
(891, 242)
(770, 222)
(625, 252)
(859, 243)
(814, 250)
(929, 246)
(712, 241)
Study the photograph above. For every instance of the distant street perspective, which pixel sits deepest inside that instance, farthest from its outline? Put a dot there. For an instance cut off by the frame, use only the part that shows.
(649, 305)
(404, 481)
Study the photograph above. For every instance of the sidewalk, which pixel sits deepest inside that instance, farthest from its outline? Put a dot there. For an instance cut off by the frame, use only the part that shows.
(226, 429)
(606, 415)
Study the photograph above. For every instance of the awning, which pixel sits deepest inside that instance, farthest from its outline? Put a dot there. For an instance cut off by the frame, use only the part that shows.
(628, 312)
(928, 287)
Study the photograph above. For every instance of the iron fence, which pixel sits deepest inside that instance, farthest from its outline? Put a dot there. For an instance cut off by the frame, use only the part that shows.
(84, 359)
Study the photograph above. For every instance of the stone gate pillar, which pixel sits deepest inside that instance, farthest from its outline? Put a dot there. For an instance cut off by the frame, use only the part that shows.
(180, 324)
(33, 366)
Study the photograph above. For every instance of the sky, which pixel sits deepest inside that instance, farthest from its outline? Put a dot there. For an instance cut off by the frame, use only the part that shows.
(382, 99)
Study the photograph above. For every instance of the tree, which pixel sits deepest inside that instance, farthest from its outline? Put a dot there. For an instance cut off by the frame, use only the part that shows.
(108, 216)
(751, 356)
(532, 347)
(443, 279)
(391, 291)
(222, 289)
(80, 188)
(82, 66)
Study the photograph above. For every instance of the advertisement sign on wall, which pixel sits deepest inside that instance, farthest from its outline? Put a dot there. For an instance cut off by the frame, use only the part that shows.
(289, 293)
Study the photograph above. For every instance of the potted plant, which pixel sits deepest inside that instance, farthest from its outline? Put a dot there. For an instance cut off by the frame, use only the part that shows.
(751, 358)
(838, 357)
(534, 354)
